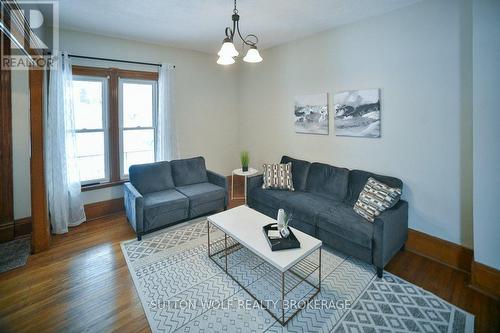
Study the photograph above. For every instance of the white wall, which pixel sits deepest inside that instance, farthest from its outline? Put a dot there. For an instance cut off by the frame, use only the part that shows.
(486, 132)
(204, 96)
(419, 57)
(21, 144)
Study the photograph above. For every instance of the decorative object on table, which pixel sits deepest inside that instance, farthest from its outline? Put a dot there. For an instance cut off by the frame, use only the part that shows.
(281, 218)
(240, 172)
(278, 177)
(311, 114)
(228, 52)
(245, 160)
(357, 113)
(375, 198)
(284, 230)
(282, 243)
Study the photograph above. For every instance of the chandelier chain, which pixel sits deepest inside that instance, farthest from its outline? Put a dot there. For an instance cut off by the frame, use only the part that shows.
(235, 10)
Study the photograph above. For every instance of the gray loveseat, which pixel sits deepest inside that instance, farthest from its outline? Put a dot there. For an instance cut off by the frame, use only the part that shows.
(322, 206)
(164, 193)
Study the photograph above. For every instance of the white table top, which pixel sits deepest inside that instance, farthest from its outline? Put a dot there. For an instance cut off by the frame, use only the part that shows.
(245, 226)
(250, 172)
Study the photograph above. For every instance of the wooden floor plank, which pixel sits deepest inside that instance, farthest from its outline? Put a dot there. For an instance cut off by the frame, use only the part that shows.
(82, 283)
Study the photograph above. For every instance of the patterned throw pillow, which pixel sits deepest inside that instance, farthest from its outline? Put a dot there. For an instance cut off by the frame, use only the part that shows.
(375, 198)
(278, 176)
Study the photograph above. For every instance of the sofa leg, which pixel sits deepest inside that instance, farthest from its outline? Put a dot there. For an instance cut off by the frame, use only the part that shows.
(139, 237)
(380, 272)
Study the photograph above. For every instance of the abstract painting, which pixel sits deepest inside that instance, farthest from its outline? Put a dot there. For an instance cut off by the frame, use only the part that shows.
(357, 113)
(311, 114)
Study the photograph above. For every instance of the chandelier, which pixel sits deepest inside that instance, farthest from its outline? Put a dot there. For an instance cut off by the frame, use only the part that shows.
(228, 52)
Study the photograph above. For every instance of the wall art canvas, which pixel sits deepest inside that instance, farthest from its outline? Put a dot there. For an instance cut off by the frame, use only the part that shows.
(311, 114)
(357, 113)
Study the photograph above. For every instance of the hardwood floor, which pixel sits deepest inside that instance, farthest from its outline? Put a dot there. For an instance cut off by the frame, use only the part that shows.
(82, 283)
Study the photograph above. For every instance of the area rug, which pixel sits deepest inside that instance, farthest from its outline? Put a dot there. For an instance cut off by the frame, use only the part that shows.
(14, 254)
(181, 289)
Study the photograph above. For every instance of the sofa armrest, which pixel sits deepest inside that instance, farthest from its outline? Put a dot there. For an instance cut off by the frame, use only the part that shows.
(219, 180)
(134, 206)
(253, 182)
(390, 233)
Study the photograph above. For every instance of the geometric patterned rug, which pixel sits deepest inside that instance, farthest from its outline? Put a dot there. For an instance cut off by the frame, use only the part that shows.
(181, 289)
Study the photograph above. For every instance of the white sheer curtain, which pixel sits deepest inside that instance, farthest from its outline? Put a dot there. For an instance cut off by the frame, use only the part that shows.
(166, 137)
(63, 183)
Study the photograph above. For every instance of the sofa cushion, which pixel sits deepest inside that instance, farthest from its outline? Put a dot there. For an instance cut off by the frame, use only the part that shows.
(268, 197)
(277, 176)
(189, 171)
(343, 221)
(300, 169)
(309, 229)
(170, 199)
(202, 192)
(328, 180)
(358, 179)
(306, 206)
(151, 177)
(375, 198)
(159, 206)
(203, 198)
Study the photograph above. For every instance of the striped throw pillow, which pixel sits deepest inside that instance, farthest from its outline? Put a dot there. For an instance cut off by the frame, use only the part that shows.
(375, 198)
(278, 176)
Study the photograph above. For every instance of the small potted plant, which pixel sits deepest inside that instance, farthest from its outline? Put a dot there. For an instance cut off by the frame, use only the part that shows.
(245, 160)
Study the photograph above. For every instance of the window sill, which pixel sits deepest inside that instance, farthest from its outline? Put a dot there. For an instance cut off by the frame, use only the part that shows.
(103, 185)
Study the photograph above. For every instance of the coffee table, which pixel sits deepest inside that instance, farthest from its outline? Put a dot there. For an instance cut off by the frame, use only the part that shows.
(242, 227)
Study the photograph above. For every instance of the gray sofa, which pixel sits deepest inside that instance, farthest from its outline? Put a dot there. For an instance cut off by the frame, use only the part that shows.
(164, 193)
(322, 206)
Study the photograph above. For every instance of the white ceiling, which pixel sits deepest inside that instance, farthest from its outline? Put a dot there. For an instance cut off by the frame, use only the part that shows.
(199, 24)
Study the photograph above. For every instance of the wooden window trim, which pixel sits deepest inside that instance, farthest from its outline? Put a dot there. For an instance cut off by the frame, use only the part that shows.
(86, 188)
(6, 172)
(113, 75)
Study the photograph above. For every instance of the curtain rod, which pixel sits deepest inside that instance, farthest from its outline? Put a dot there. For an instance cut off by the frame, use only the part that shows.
(116, 60)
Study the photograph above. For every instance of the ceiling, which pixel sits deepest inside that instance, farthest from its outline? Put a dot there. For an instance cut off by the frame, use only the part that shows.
(199, 24)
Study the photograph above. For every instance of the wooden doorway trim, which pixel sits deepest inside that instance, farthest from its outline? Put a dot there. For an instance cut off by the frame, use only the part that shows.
(40, 235)
(40, 222)
(6, 174)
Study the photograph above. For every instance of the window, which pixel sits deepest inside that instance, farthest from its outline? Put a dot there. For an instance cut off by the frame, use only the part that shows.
(115, 120)
(137, 123)
(90, 109)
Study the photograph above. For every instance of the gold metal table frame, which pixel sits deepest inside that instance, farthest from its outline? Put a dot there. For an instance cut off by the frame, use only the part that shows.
(299, 273)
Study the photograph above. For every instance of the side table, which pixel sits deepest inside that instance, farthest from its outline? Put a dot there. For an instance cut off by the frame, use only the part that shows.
(240, 172)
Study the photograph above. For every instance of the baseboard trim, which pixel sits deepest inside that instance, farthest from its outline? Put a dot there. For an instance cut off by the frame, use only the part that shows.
(104, 208)
(22, 227)
(440, 250)
(6, 231)
(15, 229)
(485, 279)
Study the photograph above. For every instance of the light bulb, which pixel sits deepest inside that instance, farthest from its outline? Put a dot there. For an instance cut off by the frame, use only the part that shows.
(227, 49)
(252, 55)
(225, 60)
